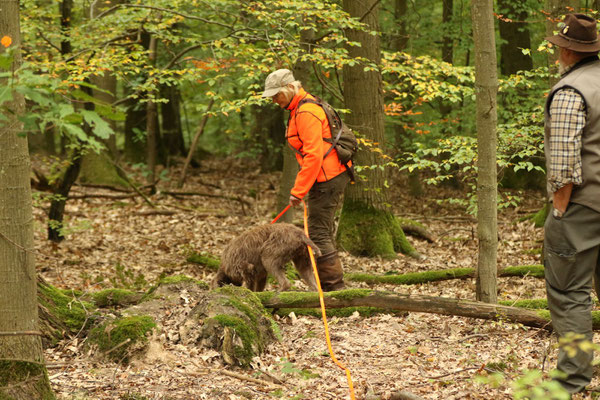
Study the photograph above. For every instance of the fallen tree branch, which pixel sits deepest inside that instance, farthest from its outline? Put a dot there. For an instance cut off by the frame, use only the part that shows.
(442, 275)
(219, 196)
(234, 375)
(413, 303)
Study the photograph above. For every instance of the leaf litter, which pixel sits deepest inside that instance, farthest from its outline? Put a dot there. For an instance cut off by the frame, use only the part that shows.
(126, 243)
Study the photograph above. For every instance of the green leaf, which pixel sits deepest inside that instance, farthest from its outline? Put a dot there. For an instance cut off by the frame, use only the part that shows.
(101, 128)
(5, 95)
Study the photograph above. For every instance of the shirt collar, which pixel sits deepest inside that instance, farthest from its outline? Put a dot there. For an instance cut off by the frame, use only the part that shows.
(578, 64)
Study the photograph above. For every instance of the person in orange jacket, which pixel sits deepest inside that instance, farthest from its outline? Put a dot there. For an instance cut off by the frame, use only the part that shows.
(322, 176)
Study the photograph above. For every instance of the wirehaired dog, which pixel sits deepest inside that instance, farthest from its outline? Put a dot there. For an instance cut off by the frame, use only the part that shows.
(266, 249)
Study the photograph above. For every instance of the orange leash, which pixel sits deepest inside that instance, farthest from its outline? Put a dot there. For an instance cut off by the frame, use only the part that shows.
(322, 301)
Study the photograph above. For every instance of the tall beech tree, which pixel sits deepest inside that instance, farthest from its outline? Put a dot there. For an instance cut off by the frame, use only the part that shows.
(22, 371)
(486, 87)
(367, 226)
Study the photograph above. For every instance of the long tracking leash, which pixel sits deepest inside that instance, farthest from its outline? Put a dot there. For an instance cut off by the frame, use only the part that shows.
(321, 299)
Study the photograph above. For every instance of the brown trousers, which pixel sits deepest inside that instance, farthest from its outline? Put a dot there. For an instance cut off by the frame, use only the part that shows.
(324, 198)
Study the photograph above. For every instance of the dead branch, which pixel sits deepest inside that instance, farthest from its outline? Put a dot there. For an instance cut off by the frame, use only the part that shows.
(218, 196)
(413, 303)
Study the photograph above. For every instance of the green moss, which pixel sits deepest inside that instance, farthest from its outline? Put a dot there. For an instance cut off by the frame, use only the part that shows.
(336, 312)
(115, 297)
(349, 294)
(366, 231)
(113, 333)
(523, 270)
(539, 218)
(72, 311)
(532, 304)
(545, 314)
(17, 381)
(205, 260)
(248, 303)
(247, 334)
(414, 277)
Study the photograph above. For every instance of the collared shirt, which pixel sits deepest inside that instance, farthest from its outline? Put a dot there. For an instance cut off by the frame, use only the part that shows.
(568, 117)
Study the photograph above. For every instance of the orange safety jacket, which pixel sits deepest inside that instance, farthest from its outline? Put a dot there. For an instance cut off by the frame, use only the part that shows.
(306, 129)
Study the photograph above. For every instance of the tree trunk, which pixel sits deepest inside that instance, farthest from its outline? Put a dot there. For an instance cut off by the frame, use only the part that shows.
(515, 36)
(411, 303)
(171, 130)
(447, 40)
(22, 371)
(135, 125)
(151, 123)
(269, 136)
(367, 227)
(401, 39)
(486, 86)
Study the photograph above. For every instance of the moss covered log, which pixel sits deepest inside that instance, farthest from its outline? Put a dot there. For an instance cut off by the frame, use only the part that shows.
(367, 231)
(414, 278)
(21, 380)
(411, 303)
(205, 260)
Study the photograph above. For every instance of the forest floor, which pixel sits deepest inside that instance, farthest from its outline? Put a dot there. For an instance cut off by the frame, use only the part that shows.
(126, 243)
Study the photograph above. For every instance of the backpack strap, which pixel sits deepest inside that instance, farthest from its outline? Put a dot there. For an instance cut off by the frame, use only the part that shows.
(319, 102)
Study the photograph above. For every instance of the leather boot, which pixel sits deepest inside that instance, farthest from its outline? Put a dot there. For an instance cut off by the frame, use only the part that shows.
(330, 270)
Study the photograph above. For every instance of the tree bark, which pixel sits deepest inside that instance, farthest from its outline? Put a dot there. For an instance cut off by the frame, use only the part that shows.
(367, 227)
(447, 40)
(486, 86)
(515, 36)
(411, 303)
(151, 122)
(171, 130)
(22, 371)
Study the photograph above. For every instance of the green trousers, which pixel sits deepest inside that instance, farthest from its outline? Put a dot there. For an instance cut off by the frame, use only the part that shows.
(571, 245)
(323, 200)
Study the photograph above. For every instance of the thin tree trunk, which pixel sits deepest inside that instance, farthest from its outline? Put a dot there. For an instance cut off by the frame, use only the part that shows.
(193, 145)
(151, 122)
(486, 87)
(367, 227)
(22, 371)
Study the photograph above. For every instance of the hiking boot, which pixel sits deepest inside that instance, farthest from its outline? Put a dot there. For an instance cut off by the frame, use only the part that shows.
(330, 270)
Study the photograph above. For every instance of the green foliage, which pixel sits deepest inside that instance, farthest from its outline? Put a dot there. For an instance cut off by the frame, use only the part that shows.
(529, 385)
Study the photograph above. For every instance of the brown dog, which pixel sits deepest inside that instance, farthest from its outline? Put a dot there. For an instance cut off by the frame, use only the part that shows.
(266, 249)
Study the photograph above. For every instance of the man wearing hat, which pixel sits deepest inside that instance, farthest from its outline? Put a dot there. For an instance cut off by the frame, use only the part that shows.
(572, 230)
(322, 176)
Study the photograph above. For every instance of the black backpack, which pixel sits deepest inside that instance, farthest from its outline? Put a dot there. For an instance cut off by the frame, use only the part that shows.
(342, 138)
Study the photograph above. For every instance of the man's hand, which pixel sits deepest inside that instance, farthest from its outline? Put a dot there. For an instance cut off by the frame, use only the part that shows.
(560, 198)
(294, 201)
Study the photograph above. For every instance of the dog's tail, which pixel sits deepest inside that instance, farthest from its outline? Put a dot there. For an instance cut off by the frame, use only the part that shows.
(312, 244)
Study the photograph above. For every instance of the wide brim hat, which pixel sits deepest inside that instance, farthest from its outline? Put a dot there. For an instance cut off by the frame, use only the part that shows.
(577, 32)
(276, 81)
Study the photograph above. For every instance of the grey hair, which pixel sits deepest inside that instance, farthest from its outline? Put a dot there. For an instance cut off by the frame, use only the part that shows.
(297, 85)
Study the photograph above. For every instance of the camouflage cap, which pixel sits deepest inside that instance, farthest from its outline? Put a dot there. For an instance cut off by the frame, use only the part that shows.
(276, 81)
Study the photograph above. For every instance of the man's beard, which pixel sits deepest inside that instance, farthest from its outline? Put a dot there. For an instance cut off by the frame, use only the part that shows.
(562, 68)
